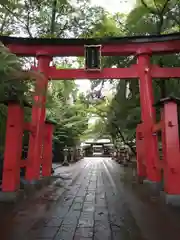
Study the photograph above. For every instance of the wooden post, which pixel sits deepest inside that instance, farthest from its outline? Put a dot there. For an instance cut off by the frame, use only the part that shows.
(13, 147)
(38, 119)
(47, 149)
(148, 115)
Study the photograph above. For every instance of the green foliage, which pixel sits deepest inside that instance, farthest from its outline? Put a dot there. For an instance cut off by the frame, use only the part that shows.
(116, 117)
(105, 28)
(123, 113)
(11, 75)
(147, 17)
(47, 18)
(67, 108)
(11, 85)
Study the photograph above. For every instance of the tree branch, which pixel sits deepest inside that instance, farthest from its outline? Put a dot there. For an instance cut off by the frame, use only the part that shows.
(12, 13)
(3, 23)
(161, 17)
(156, 5)
(123, 138)
(164, 7)
(146, 6)
(17, 17)
(62, 29)
(177, 21)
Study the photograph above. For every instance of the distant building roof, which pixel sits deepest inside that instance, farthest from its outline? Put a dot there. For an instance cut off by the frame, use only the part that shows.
(99, 141)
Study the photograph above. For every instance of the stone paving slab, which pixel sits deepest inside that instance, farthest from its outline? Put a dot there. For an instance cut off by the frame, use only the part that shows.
(96, 205)
(83, 211)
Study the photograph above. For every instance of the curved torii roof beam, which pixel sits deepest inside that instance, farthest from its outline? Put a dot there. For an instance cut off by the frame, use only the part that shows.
(115, 46)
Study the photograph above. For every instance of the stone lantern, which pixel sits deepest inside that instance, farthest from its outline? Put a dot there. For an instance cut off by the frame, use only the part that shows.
(65, 162)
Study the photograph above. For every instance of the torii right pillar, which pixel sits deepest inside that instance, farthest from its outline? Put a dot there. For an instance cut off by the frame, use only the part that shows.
(171, 150)
(153, 174)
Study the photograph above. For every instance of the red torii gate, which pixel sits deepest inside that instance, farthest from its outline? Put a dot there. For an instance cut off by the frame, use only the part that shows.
(141, 47)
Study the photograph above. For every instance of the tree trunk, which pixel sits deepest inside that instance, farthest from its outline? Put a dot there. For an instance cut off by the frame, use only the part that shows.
(124, 140)
(53, 17)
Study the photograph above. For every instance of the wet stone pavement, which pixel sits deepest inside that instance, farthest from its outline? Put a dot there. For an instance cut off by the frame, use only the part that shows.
(97, 203)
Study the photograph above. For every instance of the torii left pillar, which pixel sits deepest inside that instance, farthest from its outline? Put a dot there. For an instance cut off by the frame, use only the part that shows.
(38, 118)
(13, 147)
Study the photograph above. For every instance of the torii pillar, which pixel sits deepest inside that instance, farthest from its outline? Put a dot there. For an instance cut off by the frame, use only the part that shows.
(38, 118)
(148, 116)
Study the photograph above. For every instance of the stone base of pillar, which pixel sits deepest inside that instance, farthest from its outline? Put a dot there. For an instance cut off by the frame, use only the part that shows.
(65, 163)
(10, 197)
(72, 159)
(173, 200)
(140, 179)
(31, 186)
(155, 187)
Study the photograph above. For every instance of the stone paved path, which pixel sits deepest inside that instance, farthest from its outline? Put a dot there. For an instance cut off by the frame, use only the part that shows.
(96, 205)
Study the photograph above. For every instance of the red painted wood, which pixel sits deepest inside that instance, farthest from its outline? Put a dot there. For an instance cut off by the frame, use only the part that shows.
(123, 49)
(172, 154)
(166, 72)
(140, 151)
(38, 118)
(148, 116)
(106, 73)
(13, 148)
(47, 150)
(163, 161)
(110, 73)
(23, 163)
(144, 71)
(28, 126)
(157, 127)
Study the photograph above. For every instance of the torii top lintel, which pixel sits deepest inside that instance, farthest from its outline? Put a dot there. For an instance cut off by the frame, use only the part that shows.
(116, 46)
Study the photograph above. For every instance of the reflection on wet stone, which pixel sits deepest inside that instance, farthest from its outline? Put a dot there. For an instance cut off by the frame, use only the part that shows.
(92, 208)
(84, 232)
(45, 232)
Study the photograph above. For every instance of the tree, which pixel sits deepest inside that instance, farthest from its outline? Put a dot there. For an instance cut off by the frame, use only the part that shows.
(12, 85)
(66, 107)
(61, 18)
(48, 18)
(147, 17)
